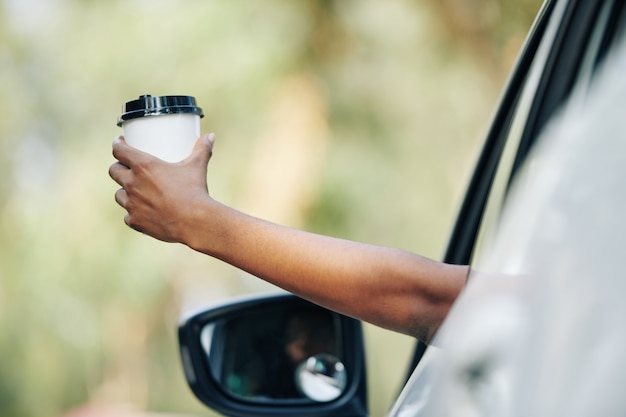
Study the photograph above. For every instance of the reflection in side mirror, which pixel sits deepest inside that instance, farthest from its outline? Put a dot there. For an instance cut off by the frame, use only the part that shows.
(274, 355)
(257, 356)
(321, 378)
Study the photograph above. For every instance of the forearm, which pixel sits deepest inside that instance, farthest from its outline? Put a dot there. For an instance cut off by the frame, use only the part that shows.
(387, 287)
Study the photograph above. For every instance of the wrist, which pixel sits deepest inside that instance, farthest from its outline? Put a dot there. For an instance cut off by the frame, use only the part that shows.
(200, 225)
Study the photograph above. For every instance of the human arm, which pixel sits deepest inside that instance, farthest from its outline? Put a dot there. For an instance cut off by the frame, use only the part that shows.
(388, 287)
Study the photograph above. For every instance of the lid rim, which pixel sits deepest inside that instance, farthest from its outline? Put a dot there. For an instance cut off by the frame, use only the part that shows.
(147, 106)
(138, 114)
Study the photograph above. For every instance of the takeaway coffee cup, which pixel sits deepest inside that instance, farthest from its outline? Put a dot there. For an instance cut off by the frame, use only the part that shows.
(164, 126)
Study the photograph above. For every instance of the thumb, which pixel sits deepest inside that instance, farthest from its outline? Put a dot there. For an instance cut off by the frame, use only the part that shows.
(203, 149)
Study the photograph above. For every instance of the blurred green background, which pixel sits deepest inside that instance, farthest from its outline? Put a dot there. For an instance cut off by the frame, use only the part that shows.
(360, 119)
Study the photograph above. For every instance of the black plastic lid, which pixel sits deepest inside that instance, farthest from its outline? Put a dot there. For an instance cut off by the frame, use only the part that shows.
(148, 105)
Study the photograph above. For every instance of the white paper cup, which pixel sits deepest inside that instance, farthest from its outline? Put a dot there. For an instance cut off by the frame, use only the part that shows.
(166, 126)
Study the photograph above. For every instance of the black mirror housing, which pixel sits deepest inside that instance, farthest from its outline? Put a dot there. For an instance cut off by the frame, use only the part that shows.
(216, 343)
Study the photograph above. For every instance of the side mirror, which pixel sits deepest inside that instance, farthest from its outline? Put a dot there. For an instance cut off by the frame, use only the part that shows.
(275, 355)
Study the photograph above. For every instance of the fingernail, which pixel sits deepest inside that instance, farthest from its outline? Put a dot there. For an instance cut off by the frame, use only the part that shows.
(211, 138)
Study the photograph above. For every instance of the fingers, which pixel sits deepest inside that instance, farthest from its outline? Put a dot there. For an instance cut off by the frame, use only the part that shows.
(126, 154)
(119, 147)
(119, 173)
(128, 221)
(121, 197)
(211, 138)
(203, 149)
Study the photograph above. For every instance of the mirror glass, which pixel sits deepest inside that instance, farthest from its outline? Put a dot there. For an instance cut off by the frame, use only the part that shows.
(278, 352)
(321, 377)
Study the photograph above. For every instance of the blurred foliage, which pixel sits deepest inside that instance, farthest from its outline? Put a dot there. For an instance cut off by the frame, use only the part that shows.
(359, 119)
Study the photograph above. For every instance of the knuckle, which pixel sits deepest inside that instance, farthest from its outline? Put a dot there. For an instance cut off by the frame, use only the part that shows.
(131, 222)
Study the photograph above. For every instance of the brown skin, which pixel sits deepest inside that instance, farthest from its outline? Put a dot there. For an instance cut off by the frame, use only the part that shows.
(388, 287)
